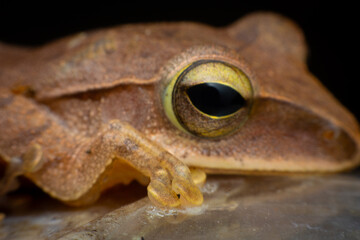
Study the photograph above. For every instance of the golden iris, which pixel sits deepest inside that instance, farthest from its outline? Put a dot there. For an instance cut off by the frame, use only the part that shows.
(208, 98)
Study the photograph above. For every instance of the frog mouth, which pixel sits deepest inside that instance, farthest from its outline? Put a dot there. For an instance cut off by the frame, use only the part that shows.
(275, 166)
(289, 139)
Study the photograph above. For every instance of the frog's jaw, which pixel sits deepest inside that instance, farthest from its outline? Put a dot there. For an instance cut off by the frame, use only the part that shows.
(281, 137)
(256, 165)
(286, 135)
(346, 156)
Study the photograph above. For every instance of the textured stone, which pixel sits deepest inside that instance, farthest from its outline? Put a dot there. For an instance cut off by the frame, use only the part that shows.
(235, 207)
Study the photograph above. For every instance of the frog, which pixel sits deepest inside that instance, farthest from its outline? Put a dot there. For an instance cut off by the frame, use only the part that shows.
(166, 104)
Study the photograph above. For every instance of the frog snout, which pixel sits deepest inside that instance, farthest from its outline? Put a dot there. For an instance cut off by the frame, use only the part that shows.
(336, 139)
(307, 138)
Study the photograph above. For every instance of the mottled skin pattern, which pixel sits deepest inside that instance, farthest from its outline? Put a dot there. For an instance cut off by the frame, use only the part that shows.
(76, 98)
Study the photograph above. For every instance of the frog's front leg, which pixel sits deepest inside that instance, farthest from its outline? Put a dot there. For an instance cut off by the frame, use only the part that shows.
(171, 183)
(76, 168)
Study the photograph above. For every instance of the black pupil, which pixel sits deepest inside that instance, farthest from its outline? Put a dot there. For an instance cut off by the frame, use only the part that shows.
(215, 99)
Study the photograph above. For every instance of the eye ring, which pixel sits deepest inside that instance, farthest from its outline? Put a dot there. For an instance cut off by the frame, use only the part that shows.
(197, 98)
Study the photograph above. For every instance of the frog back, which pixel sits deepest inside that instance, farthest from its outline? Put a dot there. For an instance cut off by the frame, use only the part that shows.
(103, 58)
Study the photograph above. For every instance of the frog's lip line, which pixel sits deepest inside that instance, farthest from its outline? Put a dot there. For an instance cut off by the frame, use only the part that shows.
(251, 165)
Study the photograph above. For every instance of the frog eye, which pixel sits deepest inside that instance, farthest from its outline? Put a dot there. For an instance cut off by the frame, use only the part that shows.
(208, 98)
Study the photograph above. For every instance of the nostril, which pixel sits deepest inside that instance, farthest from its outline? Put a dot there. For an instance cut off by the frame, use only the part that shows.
(328, 135)
(338, 143)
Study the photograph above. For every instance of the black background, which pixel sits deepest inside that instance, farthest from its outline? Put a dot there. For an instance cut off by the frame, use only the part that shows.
(330, 28)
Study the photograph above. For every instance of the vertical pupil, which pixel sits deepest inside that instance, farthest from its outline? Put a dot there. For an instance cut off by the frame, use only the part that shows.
(215, 99)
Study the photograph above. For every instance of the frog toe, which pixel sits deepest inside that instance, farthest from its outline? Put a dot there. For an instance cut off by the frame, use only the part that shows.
(162, 195)
(175, 186)
(184, 183)
(198, 176)
(189, 193)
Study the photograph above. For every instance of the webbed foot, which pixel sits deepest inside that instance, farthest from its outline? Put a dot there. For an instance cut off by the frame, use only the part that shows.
(174, 190)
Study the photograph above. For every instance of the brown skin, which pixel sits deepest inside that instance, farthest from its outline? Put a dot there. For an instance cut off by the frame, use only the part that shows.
(85, 112)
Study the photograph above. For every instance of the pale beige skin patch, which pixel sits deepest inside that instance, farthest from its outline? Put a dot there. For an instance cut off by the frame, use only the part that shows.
(86, 112)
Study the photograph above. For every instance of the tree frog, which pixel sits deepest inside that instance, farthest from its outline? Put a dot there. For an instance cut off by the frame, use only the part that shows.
(164, 104)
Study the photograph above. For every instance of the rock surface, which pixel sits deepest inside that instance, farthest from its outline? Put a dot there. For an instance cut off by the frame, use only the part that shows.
(235, 207)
